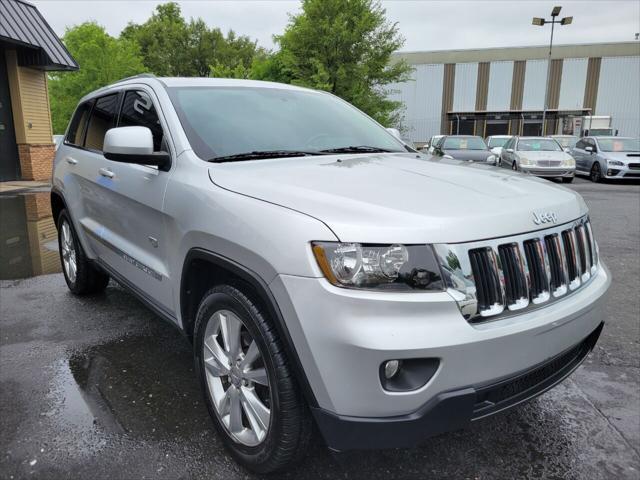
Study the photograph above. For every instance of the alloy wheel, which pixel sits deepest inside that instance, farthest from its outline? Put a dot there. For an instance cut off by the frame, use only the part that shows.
(595, 173)
(68, 252)
(237, 378)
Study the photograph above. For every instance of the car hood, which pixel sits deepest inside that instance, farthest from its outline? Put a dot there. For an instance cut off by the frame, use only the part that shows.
(532, 155)
(626, 157)
(475, 155)
(403, 198)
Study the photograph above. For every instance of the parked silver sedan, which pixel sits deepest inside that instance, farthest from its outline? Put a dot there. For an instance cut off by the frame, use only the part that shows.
(611, 158)
(539, 156)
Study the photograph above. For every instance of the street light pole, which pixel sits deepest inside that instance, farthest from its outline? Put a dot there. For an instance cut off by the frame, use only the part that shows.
(541, 22)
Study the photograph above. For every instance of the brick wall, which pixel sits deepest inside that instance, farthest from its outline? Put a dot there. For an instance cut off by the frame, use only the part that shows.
(36, 161)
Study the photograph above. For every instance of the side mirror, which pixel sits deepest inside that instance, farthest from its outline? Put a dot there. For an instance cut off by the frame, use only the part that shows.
(588, 149)
(133, 145)
(395, 132)
(510, 150)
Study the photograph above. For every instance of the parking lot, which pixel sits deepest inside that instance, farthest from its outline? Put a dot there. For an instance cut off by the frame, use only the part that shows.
(98, 387)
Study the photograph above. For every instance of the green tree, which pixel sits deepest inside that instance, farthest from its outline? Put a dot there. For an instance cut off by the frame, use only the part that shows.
(164, 42)
(102, 60)
(345, 47)
(171, 46)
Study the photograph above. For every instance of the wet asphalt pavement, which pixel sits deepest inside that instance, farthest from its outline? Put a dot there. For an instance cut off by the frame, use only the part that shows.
(98, 387)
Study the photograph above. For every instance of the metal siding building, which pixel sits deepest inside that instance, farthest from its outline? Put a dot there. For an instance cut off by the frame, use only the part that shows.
(502, 90)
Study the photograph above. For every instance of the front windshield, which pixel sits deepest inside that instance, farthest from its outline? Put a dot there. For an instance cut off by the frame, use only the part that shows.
(223, 121)
(498, 141)
(464, 143)
(538, 145)
(567, 142)
(619, 144)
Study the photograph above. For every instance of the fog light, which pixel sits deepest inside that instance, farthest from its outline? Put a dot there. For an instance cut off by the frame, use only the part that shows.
(391, 368)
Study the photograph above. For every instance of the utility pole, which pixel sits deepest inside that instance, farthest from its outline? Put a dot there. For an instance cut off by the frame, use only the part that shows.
(540, 22)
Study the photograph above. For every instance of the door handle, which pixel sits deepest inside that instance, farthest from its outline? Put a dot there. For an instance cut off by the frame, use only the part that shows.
(105, 172)
(71, 161)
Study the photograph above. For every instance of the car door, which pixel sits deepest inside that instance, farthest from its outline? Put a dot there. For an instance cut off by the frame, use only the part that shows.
(578, 153)
(506, 156)
(81, 161)
(590, 157)
(133, 223)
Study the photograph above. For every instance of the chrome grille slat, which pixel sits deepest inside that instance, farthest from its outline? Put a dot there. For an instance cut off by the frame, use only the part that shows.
(491, 279)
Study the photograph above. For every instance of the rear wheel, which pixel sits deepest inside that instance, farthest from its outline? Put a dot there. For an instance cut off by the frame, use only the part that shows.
(595, 175)
(249, 388)
(81, 275)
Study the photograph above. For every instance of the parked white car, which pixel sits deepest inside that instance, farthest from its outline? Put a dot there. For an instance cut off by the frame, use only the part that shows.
(539, 156)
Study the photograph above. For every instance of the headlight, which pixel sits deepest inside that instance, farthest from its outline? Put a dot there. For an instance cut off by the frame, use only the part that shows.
(524, 161)
(378, 267)
(491, 159)
(448, 157)
(615, 163)
(569, 162)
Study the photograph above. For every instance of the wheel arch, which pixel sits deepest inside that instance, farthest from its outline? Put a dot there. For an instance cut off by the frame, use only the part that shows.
(203, 269)
(57, 204)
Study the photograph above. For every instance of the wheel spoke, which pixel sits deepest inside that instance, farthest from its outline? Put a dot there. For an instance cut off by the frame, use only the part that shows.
(235, 410)
(257, 413)
(224, 404)
(251, 356)
(257, 376)
(230, 327)
(218, 364)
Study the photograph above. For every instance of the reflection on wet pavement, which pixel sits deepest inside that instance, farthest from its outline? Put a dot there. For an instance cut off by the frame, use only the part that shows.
(28, 237)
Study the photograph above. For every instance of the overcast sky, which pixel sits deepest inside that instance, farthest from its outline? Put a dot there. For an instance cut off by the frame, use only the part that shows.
(426, 25)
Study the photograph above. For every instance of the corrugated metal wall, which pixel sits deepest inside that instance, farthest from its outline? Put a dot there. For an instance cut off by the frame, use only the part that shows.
(464, 92)
(422, 99)
(618, 93)
(574, 77)
(535, 80)
(500, 78)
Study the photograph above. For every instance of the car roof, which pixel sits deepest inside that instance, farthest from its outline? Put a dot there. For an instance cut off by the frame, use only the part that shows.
(500, 136)
(170, 82)
(463, 136)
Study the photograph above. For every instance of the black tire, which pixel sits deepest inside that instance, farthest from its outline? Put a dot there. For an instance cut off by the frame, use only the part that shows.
(595, 175)
(567, 179)
(290, 425)
(514, 166)
(88, 278)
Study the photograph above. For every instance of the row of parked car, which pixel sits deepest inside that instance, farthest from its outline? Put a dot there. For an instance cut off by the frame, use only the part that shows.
(555, 156)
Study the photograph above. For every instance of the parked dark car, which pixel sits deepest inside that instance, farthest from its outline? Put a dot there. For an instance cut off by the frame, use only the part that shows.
(464, 147)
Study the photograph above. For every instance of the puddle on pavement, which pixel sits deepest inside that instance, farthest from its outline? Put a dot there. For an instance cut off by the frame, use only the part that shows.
(28, 236)
(139, 386)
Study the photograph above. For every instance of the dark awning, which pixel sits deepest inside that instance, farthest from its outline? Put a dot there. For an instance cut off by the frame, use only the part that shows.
(22, 24)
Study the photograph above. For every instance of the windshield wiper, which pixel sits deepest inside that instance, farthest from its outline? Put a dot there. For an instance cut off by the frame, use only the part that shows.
(258, 154)
(357, 149)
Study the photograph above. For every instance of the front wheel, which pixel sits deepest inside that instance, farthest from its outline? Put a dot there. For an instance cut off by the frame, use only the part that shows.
(595, 174)
(514, 166)
(249, 387)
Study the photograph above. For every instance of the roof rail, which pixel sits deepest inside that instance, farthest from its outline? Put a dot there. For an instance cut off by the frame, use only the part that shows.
(140, 75)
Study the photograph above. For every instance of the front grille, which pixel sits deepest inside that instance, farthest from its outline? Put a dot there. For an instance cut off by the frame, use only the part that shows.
(494, 277)
(500, 395)
(634, 166)
(549, 163)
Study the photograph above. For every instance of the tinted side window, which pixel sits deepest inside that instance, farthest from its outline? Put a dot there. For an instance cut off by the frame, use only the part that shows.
(581, 144)
(103, 117)
(138, 111)
(78, 125)
(592, 143)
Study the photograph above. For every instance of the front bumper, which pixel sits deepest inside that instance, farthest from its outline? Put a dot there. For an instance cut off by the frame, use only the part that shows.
(551, 172)
(343, 336)
(616, 172)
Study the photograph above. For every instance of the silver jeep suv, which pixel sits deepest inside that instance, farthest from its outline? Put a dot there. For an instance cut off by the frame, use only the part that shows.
(325, 272)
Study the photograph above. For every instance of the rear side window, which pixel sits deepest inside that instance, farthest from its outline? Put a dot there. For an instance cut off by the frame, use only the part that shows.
(103, 117)
(78, 125)
(138, 111)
